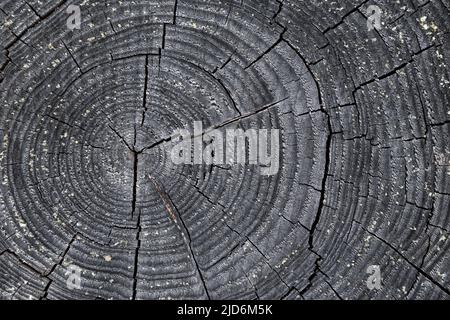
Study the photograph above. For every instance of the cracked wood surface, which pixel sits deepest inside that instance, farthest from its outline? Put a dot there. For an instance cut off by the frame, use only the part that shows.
(87, 116)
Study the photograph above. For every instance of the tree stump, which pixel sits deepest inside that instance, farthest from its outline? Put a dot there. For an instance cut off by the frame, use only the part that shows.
(86, 123)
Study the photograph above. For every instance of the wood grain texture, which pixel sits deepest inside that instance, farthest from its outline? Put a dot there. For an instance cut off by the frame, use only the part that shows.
(86, 118)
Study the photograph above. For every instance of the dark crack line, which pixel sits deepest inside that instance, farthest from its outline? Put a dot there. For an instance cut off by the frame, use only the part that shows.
(23, 262)
(176, 215)
(135, 182)
(61, 260)
(163, 41)
(193, 255)
(255, 290)
(227, 255)
(218, 126)
(32, 25)
(422, 263)
(246, 239)
(245, 116)
(135, 167)
(332, 289)
(344, 17)
(155, 144)
(71, 55)
(423, 273)
(394, 70)
(314, 274)
(280, 8)
(423, 109)
(419, 7)
(112, 27)
(289, 292)
(136, 255)
(122, 138)
(175, 9)
(325, 176)
(268, 50)
(233, 102)
(64, 123)
(16, 291)
(34, 10)
(192, 183)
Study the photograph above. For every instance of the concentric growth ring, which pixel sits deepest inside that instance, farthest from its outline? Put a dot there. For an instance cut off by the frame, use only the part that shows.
(89, 187)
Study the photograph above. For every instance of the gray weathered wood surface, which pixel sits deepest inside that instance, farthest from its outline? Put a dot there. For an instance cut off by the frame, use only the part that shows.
(86, 114)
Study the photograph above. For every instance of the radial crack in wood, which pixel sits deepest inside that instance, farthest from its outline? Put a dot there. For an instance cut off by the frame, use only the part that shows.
(94, 206)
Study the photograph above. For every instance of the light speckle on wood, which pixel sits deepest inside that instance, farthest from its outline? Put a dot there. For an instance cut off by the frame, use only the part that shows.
(86, 179)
